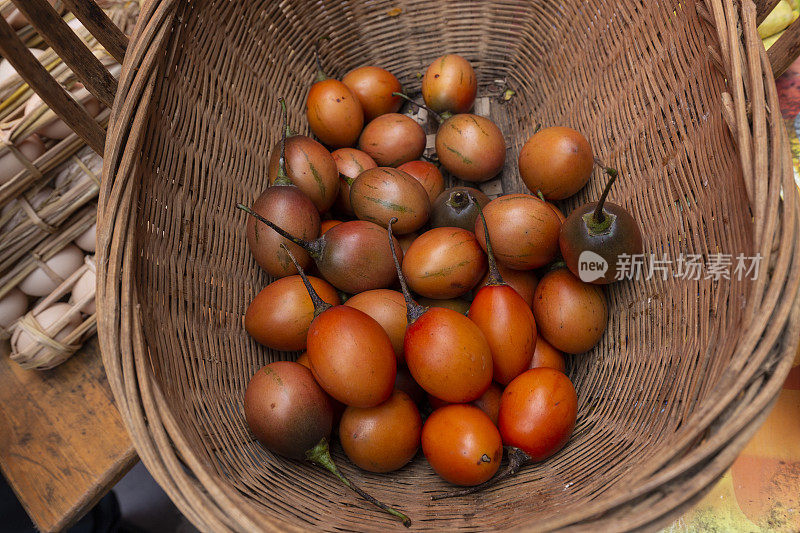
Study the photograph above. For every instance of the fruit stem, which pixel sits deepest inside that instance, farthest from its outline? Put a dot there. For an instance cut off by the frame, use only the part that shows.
(600, 217)
(494, 274)
(320, 455)
(516, 460)
(540, 194)
(413, 309)
(321, 76)
(320, 305)
(313, 248)
(439, 116)
(283, 178)
(459, 200)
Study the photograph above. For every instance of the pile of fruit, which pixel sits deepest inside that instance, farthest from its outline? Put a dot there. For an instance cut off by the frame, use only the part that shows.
(461, 377)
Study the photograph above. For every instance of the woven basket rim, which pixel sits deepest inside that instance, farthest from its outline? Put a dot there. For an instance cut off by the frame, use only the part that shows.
(667, 485)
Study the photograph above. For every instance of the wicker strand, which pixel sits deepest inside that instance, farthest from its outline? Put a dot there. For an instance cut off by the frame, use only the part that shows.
(34, 216)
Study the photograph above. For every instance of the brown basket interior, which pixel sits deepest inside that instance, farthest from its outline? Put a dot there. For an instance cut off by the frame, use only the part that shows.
(635, 77)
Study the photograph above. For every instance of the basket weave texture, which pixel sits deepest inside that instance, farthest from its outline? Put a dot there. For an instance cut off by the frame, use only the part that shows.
(677, 95)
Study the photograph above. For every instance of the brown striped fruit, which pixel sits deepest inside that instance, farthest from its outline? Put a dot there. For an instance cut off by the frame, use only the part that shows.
(373, 86)
(334, 113)
(311, 167)
(444, 263)
(393, 139)
(279, 315)
(471, 147)
(379, 194)
(524, 231)
(557, 162)
(450, 85)
(350, 163)
(428, 175)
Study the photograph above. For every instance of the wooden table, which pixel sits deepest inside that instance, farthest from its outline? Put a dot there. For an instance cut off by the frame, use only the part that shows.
(62, 441)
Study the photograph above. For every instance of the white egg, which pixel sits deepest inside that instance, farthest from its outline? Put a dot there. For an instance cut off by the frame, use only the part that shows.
(87, 240)
(6, 70)
(31, 147)
(12, 306)
(64, 264)
(56, 128)
(83, 288)
(39, 199)
(22, 340)
(18, 21)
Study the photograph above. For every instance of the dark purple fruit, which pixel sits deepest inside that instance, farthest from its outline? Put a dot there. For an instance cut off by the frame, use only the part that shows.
(454, 209)
(594, 236)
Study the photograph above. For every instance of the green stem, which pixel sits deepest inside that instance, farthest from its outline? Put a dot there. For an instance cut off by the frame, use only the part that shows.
(494, 273)
(283, 177)
(439, 116)
(320, 455)
(413, 309)
(313, 248)
(458, 200)
(599, 217)
(320, 305)
(516, 460)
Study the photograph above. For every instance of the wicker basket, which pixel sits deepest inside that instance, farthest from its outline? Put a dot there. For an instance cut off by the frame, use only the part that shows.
(677, 95)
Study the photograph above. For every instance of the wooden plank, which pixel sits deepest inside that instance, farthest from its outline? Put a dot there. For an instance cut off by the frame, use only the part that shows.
(58, 99)
(97, 22)
(62, 441)
(764, 8)
(70, 48)
(785, 50)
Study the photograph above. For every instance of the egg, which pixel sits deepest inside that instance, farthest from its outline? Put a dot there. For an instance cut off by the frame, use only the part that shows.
(18, 21)
(56, 128)
(64, 263)
(39, 199)
(22, 340)
(6, 70)
(12, 306)
(87, 240)
(83, 288)
(31, 147)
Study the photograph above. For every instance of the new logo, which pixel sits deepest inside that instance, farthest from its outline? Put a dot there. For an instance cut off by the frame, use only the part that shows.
(591, 266)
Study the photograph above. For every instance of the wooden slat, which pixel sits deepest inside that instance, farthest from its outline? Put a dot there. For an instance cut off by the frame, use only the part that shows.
(785, 50)
(55, 96)
(97, 22)
(63, 444)
(764, 8)
(70, 48)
